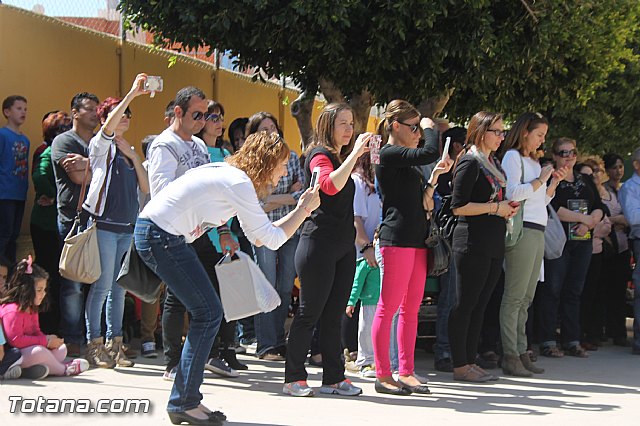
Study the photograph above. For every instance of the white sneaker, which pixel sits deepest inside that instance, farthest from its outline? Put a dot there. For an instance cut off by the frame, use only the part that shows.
(170, 375)
(345, 388)
(368, 371)
(12, 373)
(76, 367)
(299, 388)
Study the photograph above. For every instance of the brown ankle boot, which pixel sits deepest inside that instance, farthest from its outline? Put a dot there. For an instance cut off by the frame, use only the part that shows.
(512, 366)
(97, 355)
(529, 365)
(116, 350)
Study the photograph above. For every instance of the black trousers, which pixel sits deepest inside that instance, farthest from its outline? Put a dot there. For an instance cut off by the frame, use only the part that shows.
(350, 329)
(490, 332)
(616, 273)
(477, 276)
(592, 308)
(47, 248)
(326, 271)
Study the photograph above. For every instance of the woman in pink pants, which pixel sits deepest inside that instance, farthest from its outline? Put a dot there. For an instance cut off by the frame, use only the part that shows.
(403, 231)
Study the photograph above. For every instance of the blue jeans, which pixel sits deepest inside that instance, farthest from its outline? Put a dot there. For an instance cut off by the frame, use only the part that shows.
(177, 264)
(113, 247)
(636, 296)
(71, 301)
(561, 291)
(280, 270)
(446, 300)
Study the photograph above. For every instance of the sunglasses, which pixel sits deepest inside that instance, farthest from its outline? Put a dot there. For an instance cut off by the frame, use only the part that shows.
(197, 115)
(214, 118)
(415, 128)
(498, 132)
(567, 153)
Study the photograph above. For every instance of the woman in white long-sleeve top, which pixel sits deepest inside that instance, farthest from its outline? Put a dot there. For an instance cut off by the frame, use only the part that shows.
(205, 197)
(526, 183)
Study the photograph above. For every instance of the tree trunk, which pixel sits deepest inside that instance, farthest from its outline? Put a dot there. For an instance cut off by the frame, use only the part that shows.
(301, 110)
(431, 107)
(361, 104)
(330, 91)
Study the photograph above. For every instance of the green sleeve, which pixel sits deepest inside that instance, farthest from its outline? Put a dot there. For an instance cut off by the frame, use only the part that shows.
(43, 179)
(358, 281)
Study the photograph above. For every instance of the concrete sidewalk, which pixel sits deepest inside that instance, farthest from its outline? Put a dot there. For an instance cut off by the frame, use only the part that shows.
(603, 389)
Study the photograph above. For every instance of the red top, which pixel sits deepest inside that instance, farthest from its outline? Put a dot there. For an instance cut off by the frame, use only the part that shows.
(22, 329)
(326, 184)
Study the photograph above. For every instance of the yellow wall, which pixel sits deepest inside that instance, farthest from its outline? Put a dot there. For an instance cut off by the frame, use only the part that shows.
(48, 61)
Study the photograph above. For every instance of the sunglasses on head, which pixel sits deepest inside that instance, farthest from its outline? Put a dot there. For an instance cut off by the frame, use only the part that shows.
(214, 118)
(567, 153)
(415, 128)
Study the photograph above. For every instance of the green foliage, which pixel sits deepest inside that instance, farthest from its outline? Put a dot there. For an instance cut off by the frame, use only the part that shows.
(495, 54)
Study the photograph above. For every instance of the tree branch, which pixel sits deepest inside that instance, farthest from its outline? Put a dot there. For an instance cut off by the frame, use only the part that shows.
(531, 12)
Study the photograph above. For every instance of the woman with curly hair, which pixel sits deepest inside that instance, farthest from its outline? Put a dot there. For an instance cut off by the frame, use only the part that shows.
(207, 196)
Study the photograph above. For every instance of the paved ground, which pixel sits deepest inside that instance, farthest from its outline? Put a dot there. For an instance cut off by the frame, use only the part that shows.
(604, 389)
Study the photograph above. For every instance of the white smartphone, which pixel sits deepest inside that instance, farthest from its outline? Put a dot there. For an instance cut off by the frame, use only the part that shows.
(314, 176)
(445, 151)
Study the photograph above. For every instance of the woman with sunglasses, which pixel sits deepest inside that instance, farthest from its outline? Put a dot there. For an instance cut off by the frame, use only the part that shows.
(526, 183)
(222, 357)
(403, 231)
(326, 257)
(184, 211)
(479, 200)
(112, 200)
(579, 209)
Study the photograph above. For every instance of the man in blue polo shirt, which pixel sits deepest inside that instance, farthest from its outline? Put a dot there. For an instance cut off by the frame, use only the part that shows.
(14, 173)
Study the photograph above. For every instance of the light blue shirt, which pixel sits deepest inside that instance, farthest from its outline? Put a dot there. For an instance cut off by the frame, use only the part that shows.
(630, 201)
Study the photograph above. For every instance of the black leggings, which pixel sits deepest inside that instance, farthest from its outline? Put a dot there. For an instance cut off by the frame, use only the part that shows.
(476, 278)
(326, 271)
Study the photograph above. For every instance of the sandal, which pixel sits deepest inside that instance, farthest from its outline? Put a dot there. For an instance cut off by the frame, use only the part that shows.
(577, 351)
(552, 352)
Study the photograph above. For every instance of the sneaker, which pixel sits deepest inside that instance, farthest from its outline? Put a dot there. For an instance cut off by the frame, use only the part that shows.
(345, 388)
(218, 366)
(240, 349)
(299, 388)
(75, 367)
(170, 375)
(149, 350)
(12, 373)
(368, 371)
(35, 372)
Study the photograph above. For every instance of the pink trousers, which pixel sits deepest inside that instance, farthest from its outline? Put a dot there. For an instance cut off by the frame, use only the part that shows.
(403, 280)
(52, 358)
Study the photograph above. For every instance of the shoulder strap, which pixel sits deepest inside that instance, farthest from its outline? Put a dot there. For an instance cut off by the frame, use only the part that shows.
(522, 169)
(83, 189)
(104, 183)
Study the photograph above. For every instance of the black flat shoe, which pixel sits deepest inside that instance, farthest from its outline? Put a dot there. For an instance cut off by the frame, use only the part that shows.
(217, 415)
(421, 389)
(182, 417)
(380, 388)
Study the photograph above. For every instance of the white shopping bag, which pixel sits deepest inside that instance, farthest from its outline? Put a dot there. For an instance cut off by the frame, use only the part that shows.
(244, 290)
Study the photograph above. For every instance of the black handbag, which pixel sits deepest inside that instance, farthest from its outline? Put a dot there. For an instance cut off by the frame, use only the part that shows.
(438, 250)
(136, 277)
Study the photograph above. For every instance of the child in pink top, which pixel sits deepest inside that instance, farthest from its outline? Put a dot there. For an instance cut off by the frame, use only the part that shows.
(20, 302)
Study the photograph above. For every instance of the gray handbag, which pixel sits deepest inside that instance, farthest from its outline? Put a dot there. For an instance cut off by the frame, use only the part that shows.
(554, 236)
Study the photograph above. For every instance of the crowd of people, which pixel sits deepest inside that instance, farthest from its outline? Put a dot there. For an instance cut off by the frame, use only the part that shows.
(356, 240)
